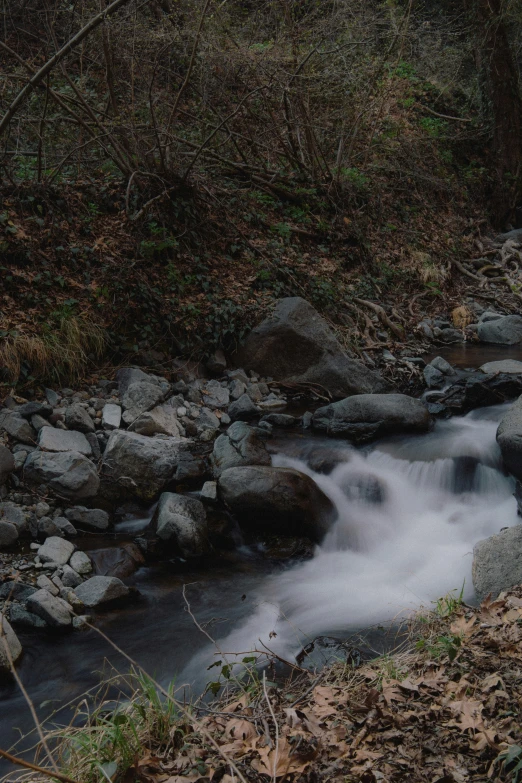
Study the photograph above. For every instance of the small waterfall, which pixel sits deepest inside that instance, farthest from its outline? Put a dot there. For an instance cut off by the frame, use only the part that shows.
(410, 510)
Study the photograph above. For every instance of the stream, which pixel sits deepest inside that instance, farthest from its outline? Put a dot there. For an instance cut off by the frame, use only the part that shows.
(410, 510)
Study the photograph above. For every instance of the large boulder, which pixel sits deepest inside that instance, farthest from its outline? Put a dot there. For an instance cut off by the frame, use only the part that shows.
(497, 562)
(509, 438)
(53, 610)
(505, 330)
(281, 500)
(240, 445)
(507, 366)
(10, 647)
(370, 416)
(101, 590)
(140, 464)
(181, 521)
(7, 464)
(296, 345)
(69, 473)
(50, 439)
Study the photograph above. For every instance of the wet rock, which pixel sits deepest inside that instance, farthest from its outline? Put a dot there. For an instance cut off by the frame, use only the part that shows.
(111, 416)
(482, 390)
(497, 562)
(367, 416)
(161, 420)
(101, 590)
(69, 473)
(506, 330)
(509, 439)
(8, 534)
(433, 377)
(53, 610)
(121, 561)
(139, 398)
(141, 464)
(508, 366)
(240, 445)
(88, 518)
(56, 550)
(279, 420)
(13, 645)
(77, 418)
(296, 345)
(283, 500)
(17, 427)
(81, 563)
(182, 522)
(243, 409)
(22, 618)
(7, 464)
(51, 439)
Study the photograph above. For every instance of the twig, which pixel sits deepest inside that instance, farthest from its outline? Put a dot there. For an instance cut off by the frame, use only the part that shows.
(27, 764)
(276, 728)
(443, 116)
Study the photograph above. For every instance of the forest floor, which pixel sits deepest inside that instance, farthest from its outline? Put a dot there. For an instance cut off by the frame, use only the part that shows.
(444, 707)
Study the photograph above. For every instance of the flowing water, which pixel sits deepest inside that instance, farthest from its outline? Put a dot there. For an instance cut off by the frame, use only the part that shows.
(410, 510)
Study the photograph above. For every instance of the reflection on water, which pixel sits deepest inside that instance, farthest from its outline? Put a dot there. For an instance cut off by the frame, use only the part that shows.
(473, 355)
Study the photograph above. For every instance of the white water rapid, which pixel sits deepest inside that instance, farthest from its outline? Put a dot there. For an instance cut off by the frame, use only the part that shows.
(409, 513)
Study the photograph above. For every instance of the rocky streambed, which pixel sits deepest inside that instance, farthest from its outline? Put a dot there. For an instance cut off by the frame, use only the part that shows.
(115, 495)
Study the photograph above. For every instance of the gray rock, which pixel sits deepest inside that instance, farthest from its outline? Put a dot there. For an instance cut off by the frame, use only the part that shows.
(296, 345)
(89, 518)
(56, 550)
(240, 445)
(52, 397)
(182, 522)
(129, 375)
(215, 395)
(111, 416)
(51, 439)
(17, 427)
(81, 563)
(207, 422)
(161, 420)
(442, 366)
(10, 512)
(8, 534)
(489, 315)
(509, 438)
(77, 418)
(16, 591)
(433, 377)
(42, 510)
(448, 335)
(64, 526)
(13, 645)
(101, 590)
(279, 420)
(94, 443)
(53, 610)
(140, 397)
(243, 409)
(506, 330)
(507, 366)
(497, 562)
(141, 464)
(21, 618)
(276, 499)
(7, 464)
(369, 416)
(237, 389)
(47, 527)
(209, 490)
(69, 473)
(44, 583)
(29, 409)
(70, 577)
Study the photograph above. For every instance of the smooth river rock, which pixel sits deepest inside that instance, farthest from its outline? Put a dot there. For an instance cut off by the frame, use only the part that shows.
(69, 473)
(90, 518)
(280, 500)
(508, 366)
(182, 522)
(56, 550)
(366, 416)
(296, 345)
(101, 590)
(509, 438)
(506, 330)
(497, 562)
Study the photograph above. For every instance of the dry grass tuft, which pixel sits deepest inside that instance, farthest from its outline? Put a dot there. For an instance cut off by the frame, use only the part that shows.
(59, 354)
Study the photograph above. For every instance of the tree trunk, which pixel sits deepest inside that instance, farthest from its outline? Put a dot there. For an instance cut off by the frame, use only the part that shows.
(501, 79)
